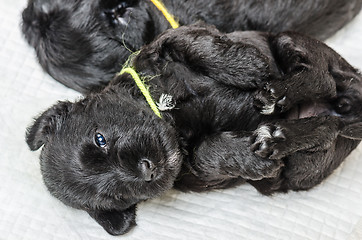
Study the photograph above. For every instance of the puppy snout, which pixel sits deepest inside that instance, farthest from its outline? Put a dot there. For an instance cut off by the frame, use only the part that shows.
(148, 170)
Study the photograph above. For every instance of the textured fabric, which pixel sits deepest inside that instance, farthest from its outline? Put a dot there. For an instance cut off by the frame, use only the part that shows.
(332, 210)
(357, 231)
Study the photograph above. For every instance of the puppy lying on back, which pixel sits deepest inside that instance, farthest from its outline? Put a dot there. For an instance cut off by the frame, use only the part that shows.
(83, 43)
(279, 111)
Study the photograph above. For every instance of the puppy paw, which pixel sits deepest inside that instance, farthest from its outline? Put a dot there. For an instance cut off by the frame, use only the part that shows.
(269, 142)
(271, 100)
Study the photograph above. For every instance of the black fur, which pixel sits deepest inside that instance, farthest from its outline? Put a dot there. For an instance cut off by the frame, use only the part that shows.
(109, 151)
(83, 43)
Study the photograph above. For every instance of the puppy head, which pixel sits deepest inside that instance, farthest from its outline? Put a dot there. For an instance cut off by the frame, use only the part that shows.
(347, 81)
(105, 154)
(298, 55)
(82, 43)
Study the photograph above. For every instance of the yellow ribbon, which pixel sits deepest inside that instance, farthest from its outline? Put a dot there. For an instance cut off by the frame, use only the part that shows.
(140, 84)
(168, 16)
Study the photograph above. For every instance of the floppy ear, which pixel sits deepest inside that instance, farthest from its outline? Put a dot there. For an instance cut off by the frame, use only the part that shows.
(353, 131)
(115, 222)
(46, 124)
(290, 55)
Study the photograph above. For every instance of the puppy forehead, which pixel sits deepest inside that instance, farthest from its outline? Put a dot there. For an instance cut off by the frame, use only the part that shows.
(112, 118)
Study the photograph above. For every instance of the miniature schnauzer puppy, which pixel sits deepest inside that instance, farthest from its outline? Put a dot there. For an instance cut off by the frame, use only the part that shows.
(83, 43)
(280, 111)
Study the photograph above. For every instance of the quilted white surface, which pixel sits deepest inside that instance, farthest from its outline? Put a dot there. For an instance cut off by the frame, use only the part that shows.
(333, 210)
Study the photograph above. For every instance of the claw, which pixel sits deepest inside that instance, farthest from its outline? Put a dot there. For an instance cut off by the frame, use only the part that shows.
(272, 91)
(283, 101)
(268, 109)
(275, 155)
(278, 133)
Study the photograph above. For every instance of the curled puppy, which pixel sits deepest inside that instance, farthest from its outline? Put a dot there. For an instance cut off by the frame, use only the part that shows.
(232, 108)
(83, 44)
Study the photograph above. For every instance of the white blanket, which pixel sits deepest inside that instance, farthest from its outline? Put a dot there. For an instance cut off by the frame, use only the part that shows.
(332, 210)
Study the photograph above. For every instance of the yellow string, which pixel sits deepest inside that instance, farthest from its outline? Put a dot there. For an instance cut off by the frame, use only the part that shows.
(134, 74)
(168, 16)
(143, 89)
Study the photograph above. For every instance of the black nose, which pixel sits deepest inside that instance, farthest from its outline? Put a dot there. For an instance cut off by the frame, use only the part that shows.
(148, 170)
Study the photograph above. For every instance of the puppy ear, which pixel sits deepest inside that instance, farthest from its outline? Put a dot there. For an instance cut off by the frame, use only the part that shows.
(46, 124)
(289, 53)
(353, 131)
(115, 222)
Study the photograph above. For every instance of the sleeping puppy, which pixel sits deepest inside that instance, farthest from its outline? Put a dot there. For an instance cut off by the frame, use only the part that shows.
(279, 111)
(83, 44)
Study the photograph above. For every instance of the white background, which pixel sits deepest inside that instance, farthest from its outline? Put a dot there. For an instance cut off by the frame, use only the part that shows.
(332, 210)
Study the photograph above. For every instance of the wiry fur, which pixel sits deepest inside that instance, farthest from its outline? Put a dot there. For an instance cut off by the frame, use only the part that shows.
(215, 136)
(83, 43)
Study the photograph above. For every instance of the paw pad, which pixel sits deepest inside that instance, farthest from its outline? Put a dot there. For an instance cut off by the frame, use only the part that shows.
(265, 139)
(269, 100)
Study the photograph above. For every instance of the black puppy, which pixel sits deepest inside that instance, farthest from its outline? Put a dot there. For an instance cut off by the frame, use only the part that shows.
(83, 43)
(109, 151)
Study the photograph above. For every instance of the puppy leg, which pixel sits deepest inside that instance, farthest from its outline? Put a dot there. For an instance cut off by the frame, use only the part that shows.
(311, 149)
(305, 64)
(304, 170)
(206, 51)
(227, 155)
(283, 138)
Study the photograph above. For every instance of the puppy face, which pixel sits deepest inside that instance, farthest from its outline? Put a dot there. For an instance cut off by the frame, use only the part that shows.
(83, 43)
(346, 100)
(104, 154)
(331, 86)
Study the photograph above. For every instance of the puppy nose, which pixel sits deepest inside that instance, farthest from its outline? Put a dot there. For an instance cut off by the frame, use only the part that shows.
(148, 170)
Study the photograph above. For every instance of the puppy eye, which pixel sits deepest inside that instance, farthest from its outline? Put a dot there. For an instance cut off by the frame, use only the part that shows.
(343, 106)
(100, 140)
